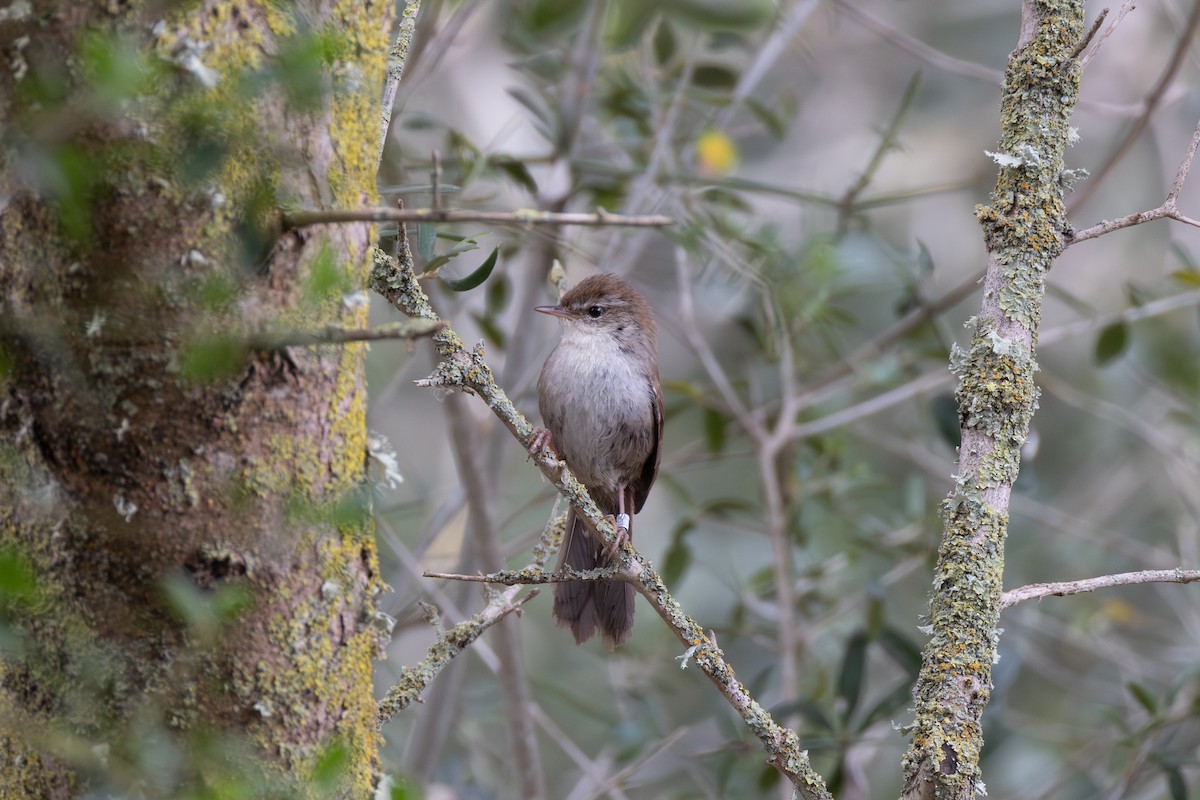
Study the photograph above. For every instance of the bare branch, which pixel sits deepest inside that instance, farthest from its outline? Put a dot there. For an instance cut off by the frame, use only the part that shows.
(918, 48)
(1064, 588)
(1168, 208)
(1126, 7)
(1153, 100)
(409, 329)
(1087, 37)
(1185, 166)
(887, 142)
(522, 216)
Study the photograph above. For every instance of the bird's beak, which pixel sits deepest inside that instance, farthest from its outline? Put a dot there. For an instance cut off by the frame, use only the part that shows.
(554, 311)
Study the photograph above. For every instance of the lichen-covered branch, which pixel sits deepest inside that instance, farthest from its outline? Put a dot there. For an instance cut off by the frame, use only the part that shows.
(460, 368)
(449, 644)
(397, 58)
(1023, 228)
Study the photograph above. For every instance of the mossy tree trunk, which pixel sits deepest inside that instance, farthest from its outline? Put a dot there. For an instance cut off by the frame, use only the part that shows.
(191, 572)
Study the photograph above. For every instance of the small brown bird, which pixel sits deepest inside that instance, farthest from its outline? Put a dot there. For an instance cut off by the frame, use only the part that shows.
(602, 405)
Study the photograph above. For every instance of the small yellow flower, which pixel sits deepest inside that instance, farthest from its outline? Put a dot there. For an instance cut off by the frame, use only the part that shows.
(716, 154)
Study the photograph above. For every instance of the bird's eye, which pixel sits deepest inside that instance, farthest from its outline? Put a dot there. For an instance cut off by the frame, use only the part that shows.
(595, 312)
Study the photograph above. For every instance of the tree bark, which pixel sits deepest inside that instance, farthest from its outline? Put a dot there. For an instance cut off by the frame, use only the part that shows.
(997, 395)
(191, 511)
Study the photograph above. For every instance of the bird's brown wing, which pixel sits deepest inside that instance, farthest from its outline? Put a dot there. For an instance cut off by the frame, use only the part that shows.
(641, 487)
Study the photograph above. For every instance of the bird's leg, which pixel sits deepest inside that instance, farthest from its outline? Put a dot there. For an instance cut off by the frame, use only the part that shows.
(621, 523)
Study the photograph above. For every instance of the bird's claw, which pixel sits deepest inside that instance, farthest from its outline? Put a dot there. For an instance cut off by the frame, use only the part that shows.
(621, 523)
(541, 440)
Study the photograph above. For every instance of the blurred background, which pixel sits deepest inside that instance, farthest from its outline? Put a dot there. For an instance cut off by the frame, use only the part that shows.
(822, 161)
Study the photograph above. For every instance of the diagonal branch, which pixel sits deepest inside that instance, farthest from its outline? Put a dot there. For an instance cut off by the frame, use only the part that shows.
(460, 368)
(397, 58)
(413, 680)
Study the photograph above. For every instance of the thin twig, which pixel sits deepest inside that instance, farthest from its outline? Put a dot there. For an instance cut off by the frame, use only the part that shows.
(435, 178)
(887, 142)
(1152, 102)
(522, 216)
(1132, 314)
(1126, 7)
(1063, 588)
(528, 577)
(717, 374)
(396, 61)
(1087, 37)
(409, 329)
(1168, 209)
(918, 48)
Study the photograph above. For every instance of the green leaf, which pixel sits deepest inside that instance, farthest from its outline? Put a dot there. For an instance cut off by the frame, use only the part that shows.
(436, 263)
(493, 332)
(810, 711)
(768, 779)
(716, 15)
(715, 77)
(217, 293)
(1188, 277)
(944, 410)
(516, 171)
(854, 671)
(714, 430)
(894, 701)
(902, 650)
(627, 22)
(679, 556)
(205, 610)
(1143, 696)
(664, 42)
(876, 611)
(1112, 342)
(497, 296)
(1175, 783)
(533, 104)
(475, 278)
(770, 120)
(426, 238)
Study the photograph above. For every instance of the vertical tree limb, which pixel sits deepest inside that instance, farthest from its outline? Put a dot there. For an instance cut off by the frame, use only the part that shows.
(1023, 229)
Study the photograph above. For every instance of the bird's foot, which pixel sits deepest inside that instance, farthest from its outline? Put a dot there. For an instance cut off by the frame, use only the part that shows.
(541, 441)
(621, 523)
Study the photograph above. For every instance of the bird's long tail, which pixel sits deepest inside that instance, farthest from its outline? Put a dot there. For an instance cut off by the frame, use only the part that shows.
(583, 607)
